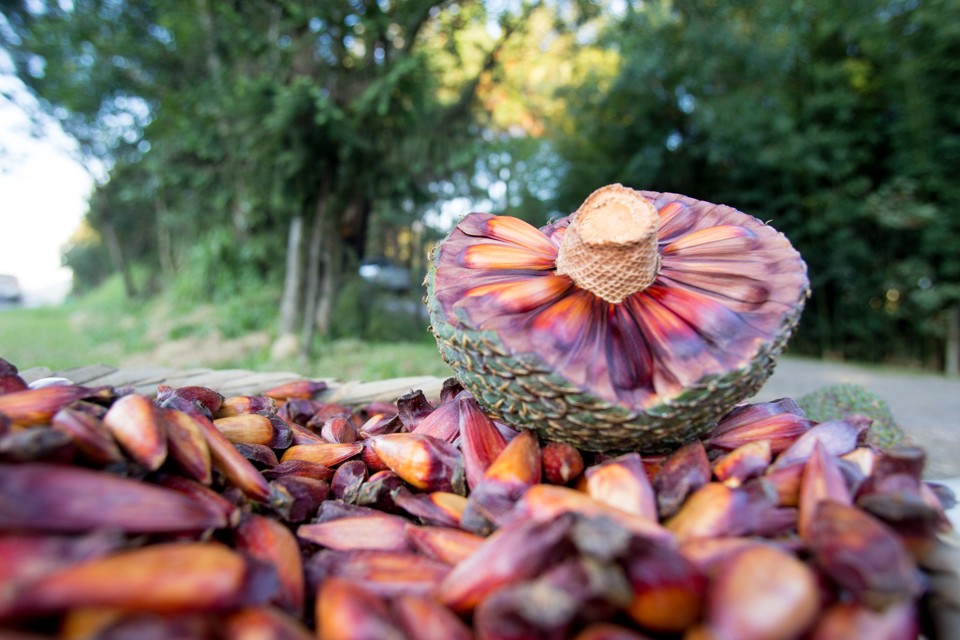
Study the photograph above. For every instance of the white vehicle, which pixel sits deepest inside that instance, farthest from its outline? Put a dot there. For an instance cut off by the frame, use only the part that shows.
(383, 273)
(10, 293)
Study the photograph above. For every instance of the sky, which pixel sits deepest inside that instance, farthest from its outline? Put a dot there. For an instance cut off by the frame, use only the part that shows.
(43, 192)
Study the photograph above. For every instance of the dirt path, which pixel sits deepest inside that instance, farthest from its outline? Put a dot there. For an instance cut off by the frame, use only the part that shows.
(926, 406)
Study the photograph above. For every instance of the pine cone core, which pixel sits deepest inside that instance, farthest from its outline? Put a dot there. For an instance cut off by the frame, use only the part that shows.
(610, 247)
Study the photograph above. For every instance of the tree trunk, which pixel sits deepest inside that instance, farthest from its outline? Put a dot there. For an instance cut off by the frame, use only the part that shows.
(329, 284)
(315, 250)
(355, 223)
(287, 343)
(240, 207)
(419, 264)
(350, 228)
(118, 259)
(952, 353)
(164, 243)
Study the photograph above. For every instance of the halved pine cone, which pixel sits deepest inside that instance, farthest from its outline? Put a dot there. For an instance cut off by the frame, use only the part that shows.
(634, 323)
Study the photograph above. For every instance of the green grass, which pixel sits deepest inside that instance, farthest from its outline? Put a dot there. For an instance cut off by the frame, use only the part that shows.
(100, 327)
(105, 328)
(347, 359)
(44, 337)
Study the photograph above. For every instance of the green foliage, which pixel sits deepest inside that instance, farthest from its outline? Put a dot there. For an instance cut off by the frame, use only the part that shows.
(838, 401)
(253, 308)
(352, 310)
(836, 122)
(364, 312)
(222, 126)
(220, 268)
(88, 260)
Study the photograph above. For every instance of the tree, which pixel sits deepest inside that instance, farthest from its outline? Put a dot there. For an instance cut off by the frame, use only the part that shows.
(259, 128)
(832, 121)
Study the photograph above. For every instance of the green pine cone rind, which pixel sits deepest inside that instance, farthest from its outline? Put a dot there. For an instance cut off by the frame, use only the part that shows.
(524, 393)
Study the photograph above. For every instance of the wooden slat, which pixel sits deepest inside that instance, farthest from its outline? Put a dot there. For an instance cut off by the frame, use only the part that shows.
(87, 375)
(359, 392)
(231, 382)
(136, 377)
(235, 382)
(35, 373)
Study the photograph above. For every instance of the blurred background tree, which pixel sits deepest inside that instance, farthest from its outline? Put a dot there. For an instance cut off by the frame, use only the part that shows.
(279, 143)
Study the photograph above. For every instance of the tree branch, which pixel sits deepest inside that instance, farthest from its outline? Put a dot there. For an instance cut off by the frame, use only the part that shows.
(413, 29)
(469, 92)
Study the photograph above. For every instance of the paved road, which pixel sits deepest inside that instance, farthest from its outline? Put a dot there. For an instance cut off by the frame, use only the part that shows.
(926, 406)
